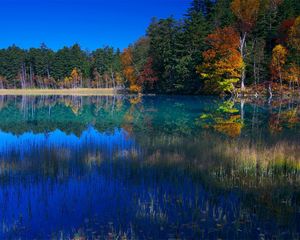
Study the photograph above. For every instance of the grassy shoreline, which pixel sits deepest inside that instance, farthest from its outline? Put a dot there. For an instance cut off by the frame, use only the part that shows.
(67, 92)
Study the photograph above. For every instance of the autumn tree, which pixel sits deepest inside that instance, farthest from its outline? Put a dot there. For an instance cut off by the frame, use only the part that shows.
(76, 78)
(129, 71)
(246, 11)
(294, 40)
(68, 58)
(284, 31)
(292, 75)
(96, 82)
(106, 65)
(279, 56)
(289, 34)
(147, 77)
(223, 63)
(226, 119)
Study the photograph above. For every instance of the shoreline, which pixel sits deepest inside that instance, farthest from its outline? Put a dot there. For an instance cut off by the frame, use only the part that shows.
(62, 92)
(113, 92)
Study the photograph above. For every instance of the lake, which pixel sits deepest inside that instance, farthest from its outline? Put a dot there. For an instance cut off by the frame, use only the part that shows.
(149, 168)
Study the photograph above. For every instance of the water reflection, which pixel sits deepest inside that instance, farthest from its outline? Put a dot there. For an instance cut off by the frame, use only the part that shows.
(160, 167)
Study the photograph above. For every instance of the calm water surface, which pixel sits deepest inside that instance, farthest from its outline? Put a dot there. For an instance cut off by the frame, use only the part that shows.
(149, 168)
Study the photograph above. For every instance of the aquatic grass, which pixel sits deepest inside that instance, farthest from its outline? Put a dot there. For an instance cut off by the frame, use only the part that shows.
(282, 158)
(224, 159)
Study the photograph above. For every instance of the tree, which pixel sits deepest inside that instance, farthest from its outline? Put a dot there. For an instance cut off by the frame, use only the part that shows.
(106, 62)
(76, 78)
(294, 37)
(162, 34)
(246, 12)
(190, 43)
(284, 31)
(221, 14)
(292, 74)
(3, 82)
(12, 61)
(39, 64)
(226, 119)
(223, 63)
(66, 59)
(147, 77)
(129, 70)
(278, 61)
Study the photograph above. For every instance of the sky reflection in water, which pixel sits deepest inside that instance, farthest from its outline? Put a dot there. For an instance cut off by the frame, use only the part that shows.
(154, 167)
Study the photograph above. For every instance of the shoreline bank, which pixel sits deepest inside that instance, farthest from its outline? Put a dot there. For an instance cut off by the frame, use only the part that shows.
(66, 92)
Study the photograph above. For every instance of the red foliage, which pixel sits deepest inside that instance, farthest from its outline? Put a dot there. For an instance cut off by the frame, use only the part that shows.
(283, 32)
(148, 75)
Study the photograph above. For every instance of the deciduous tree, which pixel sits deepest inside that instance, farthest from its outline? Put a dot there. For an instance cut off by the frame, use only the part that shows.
(147, 77)
(223, 63)
(246, 12)
(129, 70)
(279, 56)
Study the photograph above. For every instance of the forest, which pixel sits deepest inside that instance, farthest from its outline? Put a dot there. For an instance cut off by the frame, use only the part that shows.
(222, 46)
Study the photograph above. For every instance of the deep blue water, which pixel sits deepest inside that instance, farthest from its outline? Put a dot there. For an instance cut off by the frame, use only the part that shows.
(149, 168)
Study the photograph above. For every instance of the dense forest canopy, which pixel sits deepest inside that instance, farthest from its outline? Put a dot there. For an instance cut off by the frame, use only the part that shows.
(218, 46)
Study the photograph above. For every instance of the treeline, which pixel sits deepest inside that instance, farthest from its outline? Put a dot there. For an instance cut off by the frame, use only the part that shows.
(218, 46)
(69, 67)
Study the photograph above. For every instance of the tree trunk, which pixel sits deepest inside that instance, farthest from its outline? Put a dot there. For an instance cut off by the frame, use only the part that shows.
(242, 51)
(30, 76)
(242, 110)
(113, 79)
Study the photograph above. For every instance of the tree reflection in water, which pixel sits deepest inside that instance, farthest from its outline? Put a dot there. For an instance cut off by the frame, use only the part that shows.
(165, 167)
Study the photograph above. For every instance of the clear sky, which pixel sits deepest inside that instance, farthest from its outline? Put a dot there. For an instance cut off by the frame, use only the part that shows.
(91, 23)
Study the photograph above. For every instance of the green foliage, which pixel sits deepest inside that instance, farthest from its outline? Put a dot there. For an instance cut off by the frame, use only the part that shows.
(167, 59)
(228, 107)
(11, 60)
(162, 34)
(67, 59)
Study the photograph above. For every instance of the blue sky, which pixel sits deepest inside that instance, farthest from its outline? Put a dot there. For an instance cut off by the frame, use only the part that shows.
(91, 23)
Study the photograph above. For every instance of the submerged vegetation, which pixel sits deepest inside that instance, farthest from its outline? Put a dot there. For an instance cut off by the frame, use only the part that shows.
(224, 46)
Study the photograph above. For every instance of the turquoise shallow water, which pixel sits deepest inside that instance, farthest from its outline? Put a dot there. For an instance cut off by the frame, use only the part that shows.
(149, 168)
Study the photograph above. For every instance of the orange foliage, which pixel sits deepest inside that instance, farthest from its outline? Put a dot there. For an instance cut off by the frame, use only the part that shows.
(278, 61)
(224, 41)
(128, 69)
(246, 11)
(231, 127)
(223, 63)
(292, 74)
(289, 118)
(135, 88)
(135, 100)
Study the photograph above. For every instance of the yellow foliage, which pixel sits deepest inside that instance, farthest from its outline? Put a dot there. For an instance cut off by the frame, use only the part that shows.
(129, 70)
(135, 88)
(279, 55)
(135, 100)
(231, 127)
(292, 73)
(74, 74)
(294, 35)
